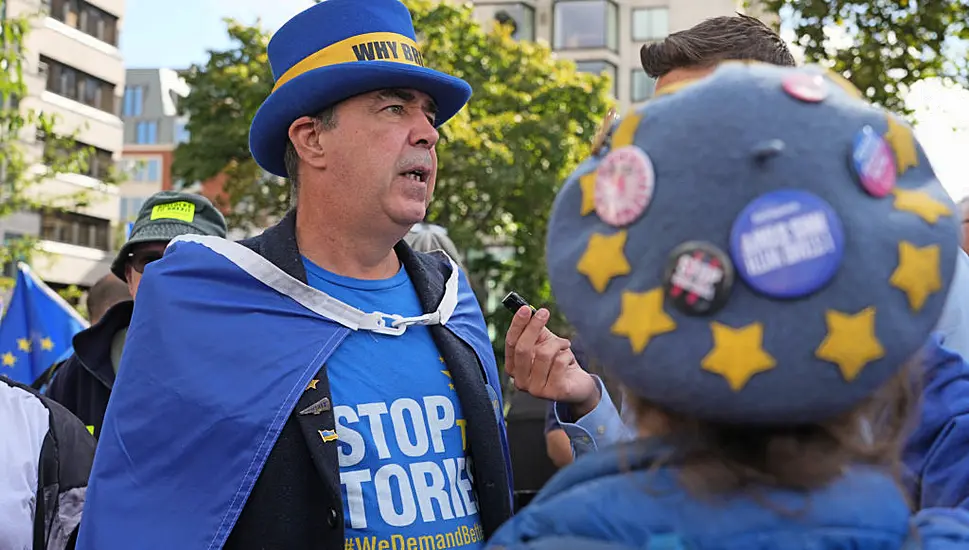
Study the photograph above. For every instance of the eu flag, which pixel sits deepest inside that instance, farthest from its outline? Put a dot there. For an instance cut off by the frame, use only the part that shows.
(36, 329)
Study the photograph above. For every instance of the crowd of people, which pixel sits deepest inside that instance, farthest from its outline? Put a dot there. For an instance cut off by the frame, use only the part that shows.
(763, 274)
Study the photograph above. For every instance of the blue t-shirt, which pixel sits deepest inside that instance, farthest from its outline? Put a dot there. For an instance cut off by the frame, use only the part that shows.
(404, 465)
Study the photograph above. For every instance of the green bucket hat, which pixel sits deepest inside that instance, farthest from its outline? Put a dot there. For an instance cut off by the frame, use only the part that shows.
(166, 215)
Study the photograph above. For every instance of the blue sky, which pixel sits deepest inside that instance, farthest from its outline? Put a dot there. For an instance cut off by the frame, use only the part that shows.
(177, 33)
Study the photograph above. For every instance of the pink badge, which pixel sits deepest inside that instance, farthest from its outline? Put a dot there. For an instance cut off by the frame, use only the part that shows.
(873, 162)
(806, 87)
(624, 185)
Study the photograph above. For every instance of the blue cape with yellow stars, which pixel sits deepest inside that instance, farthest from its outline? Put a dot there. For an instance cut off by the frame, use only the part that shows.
(213, 366)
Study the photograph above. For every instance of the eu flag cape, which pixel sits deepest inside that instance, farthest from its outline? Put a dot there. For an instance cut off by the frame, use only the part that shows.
(220, 347)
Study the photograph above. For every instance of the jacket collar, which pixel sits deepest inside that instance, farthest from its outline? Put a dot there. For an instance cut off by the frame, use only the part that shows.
(428, 272)
(92, 346)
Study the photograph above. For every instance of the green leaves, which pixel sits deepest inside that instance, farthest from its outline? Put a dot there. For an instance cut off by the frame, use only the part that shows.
(883, 46)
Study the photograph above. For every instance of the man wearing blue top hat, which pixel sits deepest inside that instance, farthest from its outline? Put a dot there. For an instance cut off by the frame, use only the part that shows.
(321, 385)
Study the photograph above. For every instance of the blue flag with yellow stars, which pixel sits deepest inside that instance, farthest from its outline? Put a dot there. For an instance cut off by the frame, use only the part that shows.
(36, 329)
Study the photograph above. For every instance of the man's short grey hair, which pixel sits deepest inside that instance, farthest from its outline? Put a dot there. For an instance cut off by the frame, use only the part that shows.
(327, 120)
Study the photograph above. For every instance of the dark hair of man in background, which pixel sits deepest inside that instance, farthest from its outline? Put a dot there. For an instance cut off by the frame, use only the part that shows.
(737, 37)
(108, 291)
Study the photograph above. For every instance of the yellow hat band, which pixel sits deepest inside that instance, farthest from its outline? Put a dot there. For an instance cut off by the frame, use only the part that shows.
(375, 46)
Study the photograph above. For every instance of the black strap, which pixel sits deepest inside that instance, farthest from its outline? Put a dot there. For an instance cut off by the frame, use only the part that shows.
(46, 376)
(46, 471)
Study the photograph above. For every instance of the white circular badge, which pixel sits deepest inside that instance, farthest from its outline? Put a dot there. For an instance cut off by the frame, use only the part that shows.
(624, 185)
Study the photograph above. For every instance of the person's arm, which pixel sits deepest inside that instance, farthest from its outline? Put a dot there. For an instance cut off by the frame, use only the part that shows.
(935, 455)
(543, 365)
(600, 427)
(954, 322)
(559, 447)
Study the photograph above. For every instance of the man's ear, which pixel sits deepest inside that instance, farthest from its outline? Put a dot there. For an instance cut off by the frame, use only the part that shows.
(304, 133)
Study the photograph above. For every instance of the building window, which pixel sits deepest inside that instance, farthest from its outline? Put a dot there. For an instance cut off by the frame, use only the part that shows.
(130, 207)
(181, 132)
(146, 132)
(134, 100)
(586, 24)
(650, 23)
(87, 19)
(73, 84)
(144, 170)
(597, 67)
(74, 228)
(642, 86)
(520, 16)
(99, 161)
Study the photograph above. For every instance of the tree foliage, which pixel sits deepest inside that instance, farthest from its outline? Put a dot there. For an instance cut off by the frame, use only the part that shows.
(531, 120)
(25, 168)
(883, 46)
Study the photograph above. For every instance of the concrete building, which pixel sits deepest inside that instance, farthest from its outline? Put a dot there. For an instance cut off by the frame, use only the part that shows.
(604, 35)
(73, 71)
(152, 131)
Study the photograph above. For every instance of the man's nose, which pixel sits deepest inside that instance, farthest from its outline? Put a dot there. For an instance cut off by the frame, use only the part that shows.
(424, 134)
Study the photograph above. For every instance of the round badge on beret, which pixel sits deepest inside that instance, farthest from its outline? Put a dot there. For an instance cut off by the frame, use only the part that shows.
(806, 87)
(698, 278)
(787, 244)
(873, 162)
(624, 185)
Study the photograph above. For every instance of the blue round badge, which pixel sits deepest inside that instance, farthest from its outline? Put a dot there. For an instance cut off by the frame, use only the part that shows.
(787, 244)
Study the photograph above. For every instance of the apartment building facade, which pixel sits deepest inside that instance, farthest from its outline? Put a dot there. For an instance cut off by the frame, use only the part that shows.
(604, 35)
(74, 71)
(152, 131)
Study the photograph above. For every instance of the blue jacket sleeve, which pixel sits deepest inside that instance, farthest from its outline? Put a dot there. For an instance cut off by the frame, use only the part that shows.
(954, 323)
(935, 455)
(941, 529)
(603, 426)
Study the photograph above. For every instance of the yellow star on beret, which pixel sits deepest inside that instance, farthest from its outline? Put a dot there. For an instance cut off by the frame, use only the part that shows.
(851, 342)
(604, 259)
(588, 185)
(671, 89)
(626, 131)
(737, 353)
(844, 84)
(642, 317)
(921, 204)
(917, 274)
(899, 137)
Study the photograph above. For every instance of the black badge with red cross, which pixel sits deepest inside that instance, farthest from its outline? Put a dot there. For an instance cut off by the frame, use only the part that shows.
(698, 278)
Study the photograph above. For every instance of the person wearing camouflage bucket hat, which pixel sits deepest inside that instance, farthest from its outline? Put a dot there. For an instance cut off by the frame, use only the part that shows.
(164, 216)
(760, 257)
(83, 382)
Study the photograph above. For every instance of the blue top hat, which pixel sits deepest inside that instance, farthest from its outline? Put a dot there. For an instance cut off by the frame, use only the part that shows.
(338, 49)
(759, 246)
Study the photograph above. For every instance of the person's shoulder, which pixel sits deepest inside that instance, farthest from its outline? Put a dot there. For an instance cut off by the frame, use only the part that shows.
(609, 509)
(61, 420)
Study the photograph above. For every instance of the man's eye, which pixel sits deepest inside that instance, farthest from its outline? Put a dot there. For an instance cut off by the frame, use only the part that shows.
(396, 109)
